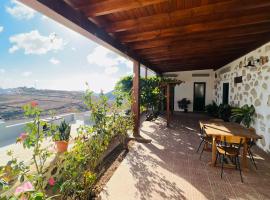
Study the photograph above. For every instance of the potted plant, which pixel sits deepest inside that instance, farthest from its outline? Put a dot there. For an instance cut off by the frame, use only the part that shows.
(244, 115)
(183, 104)
(61, 137)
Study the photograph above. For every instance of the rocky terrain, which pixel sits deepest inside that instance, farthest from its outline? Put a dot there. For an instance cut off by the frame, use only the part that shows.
(12, 100)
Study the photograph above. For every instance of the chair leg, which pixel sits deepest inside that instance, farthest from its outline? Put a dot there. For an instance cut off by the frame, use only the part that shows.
(199, 146)
(216, 158)
(201, 152)
(252, 158)
(222, 162)
(239, 167)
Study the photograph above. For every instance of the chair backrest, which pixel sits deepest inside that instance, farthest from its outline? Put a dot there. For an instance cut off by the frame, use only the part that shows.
(202, 131)
(232, 139)
(201, 126)
(229, 141)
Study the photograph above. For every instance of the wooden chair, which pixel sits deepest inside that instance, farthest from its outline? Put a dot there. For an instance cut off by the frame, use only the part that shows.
(251, 143)
(205, 139)
(230, 147)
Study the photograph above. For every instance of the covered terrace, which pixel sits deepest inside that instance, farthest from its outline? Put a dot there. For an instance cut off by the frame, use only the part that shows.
(220, 45)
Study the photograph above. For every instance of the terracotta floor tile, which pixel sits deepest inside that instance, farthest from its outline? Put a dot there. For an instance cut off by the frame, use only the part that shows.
(169, 168)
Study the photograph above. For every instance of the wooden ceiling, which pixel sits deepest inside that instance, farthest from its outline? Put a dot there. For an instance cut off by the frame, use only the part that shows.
(175, 35)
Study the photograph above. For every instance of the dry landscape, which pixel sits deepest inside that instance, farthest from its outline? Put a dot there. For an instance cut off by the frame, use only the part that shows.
(12, 100)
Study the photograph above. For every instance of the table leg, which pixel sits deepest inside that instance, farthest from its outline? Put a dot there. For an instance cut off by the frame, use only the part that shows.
(214, 150)
(244, 156)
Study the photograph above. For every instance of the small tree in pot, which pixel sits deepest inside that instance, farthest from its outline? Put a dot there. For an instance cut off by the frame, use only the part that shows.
(61, 138)
(183, 104)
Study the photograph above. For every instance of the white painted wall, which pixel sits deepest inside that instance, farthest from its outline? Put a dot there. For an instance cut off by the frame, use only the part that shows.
(185, 90)
(9, 133)
(254, 90)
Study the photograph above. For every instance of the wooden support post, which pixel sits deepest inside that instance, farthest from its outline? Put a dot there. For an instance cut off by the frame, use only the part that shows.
(168, 105)
(136, 98)
(146, 71)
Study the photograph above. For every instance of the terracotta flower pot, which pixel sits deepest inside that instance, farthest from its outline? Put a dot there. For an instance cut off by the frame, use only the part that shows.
(61, 146)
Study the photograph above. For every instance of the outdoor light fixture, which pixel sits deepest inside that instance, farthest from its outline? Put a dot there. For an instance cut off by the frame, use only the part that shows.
(252, 62)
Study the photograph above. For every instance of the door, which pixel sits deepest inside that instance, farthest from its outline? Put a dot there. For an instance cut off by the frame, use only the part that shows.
(199, 97)
(225, 95)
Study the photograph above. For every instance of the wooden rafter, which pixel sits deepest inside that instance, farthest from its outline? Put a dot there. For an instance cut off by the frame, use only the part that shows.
(112, 6)
(172, 35)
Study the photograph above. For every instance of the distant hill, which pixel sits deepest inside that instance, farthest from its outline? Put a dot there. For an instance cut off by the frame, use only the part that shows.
(12, 100)
(110, 95)
(31, 91)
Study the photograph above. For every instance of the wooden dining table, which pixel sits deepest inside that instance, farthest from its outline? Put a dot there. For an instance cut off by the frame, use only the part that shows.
(217, 129)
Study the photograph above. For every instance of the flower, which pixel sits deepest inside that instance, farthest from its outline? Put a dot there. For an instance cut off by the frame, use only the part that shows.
(34, 103)
(25, 187)
(51, 181)
(22, 137)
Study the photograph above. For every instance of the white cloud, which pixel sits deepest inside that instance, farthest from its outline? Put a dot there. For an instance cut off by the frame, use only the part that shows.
(2, 71)
(107, 59)
(20, 11)
(34, 43)
(26, 74)
(44, 17)
(73, 49)
(1, 28)
(54, 61)
(111, 70)
(96, 81)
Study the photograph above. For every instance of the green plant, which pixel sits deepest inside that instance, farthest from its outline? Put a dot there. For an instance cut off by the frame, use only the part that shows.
(63, 132)
(224, 112)
(34, 136)
(79, 171)
(212, 109)
(150, 91)
(244, 115)
(12, 170)
(183, 104)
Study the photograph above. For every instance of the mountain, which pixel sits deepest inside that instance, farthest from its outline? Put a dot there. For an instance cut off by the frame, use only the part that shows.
(110, 95)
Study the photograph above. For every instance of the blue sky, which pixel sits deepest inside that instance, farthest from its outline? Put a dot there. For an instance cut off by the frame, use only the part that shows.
(37, 51)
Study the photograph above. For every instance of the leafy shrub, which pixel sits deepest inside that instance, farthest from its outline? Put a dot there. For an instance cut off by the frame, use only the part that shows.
(80, 172)
(212, 109)
(224, 112)
(244, 115)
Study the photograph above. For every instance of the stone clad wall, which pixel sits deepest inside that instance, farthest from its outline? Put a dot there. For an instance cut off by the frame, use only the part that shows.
(255, 89)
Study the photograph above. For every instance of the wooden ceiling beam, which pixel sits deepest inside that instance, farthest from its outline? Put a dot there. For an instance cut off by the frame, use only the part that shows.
(196, 28)
(236, 33)
(112, 6)
(210, 12)
(199, 57)
(192, 46)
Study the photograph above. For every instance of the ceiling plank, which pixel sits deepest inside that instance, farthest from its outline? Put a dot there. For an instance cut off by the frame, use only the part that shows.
(239, 33)
(112, 6)
(193, 15)
(196, 28)
(192, 46)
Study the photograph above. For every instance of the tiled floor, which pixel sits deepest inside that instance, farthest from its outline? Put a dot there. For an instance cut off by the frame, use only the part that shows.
(169, 168)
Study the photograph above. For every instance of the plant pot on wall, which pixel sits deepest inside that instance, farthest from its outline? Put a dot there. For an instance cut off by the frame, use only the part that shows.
(61, 146)
(61, 137)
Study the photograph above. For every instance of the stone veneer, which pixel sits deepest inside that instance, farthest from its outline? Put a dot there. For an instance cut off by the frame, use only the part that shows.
(255, 89)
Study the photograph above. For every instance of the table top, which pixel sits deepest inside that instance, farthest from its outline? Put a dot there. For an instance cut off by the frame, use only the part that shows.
(228, 129)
